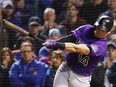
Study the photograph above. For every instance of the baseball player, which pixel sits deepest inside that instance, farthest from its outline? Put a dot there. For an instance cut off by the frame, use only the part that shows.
(84, 48)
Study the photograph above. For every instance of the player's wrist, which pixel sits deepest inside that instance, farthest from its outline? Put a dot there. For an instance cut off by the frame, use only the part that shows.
(51, 44)
(59, 45)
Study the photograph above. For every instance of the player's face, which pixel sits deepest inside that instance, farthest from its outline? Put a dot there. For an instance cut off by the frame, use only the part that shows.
(100, 33)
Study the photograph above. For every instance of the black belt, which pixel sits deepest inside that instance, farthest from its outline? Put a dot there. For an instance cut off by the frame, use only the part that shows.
(69, 65)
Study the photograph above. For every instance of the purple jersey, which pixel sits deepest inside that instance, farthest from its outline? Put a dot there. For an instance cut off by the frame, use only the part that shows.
(85, 64)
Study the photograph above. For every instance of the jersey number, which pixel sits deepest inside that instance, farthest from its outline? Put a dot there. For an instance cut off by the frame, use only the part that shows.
(84, 60)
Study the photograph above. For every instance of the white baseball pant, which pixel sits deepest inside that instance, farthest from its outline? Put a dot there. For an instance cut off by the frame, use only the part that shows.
(65, 77)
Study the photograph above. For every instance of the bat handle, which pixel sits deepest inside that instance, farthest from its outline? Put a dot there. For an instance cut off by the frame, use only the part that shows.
(38, 39)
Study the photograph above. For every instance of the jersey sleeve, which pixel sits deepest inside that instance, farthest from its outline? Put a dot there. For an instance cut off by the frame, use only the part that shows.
(97, 49)
(78, 31)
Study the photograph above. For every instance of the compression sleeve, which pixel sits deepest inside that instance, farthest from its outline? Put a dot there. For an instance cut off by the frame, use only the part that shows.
(60, 43)
(68, 38)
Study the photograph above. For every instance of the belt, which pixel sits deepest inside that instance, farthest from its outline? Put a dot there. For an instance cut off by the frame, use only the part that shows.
(69, 66)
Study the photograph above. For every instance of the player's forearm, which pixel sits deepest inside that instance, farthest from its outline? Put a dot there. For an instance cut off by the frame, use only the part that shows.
(70, 47)
(83, 49)
(78, 48)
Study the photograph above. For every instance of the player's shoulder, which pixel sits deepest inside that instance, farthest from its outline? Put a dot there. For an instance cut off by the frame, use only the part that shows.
(87, 26)
(84, 27)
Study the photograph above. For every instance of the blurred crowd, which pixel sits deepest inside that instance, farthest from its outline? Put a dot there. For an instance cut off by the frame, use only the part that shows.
(25, 62)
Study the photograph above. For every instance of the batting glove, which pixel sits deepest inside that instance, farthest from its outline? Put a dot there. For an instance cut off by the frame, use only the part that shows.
(50, 44)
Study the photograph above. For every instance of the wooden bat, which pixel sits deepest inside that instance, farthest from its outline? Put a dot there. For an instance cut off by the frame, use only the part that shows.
(19, 29)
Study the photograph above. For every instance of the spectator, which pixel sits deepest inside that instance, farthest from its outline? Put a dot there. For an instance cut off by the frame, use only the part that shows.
(73, 20)
(111, 5)
(97, 79)
(7, 12)
(2, 1)
(27, 72)
(112, 74)
(20, 12)
(44, 53)
(57, 58)
(16, 54)
(63, 13)
(49, 23)
(3, 34)
(42, 5)
(113, 13)
(3, 77)
(6, 57)
(34, 26)
(113, 38)
(111, 58)
(17, 51)
(91, 11)
(22, 39)
(114, 17)
(6, 60)
(54, 34)
(111, 54)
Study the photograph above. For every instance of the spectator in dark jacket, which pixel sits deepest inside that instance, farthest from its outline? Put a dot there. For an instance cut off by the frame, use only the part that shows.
(112, 70)
(111, 59)
(4, 77)
(112, 74)
(8, 14)
(6, 60)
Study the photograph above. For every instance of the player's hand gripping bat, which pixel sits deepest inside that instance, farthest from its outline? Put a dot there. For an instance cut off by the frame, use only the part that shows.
(19, 29)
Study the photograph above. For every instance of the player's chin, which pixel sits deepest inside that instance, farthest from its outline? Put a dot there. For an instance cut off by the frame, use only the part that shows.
(100, 36)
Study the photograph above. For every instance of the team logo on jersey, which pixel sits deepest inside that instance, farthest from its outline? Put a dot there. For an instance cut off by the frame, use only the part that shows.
(94, 47)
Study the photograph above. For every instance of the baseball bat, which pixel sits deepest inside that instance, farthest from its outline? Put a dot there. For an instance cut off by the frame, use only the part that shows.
(19, 29)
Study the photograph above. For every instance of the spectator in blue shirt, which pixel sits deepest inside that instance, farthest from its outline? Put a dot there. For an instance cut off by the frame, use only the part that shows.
(27, 72)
